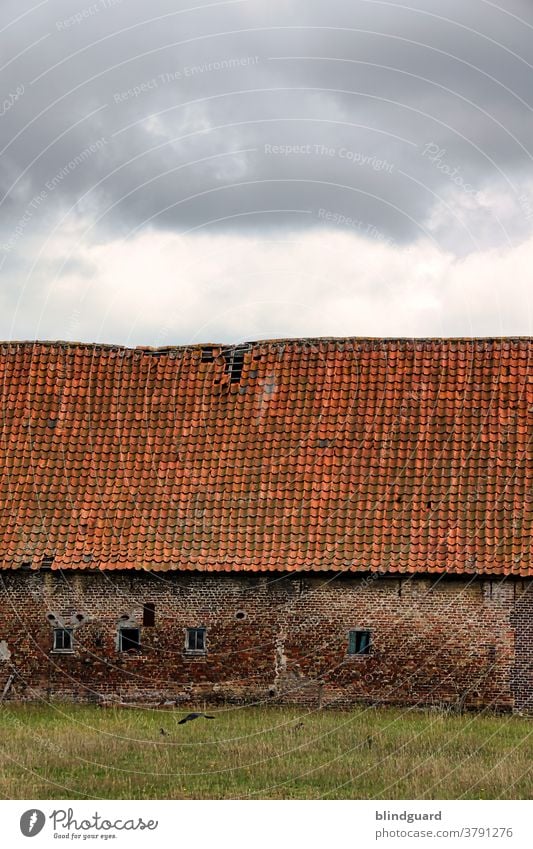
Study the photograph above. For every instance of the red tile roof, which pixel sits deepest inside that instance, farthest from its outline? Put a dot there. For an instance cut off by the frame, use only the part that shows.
(392, 455)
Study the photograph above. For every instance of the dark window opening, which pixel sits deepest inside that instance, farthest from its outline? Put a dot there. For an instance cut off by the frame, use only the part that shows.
(149, 614)
(195, 639)
(62, 639)
(359, 642)
(129, 639)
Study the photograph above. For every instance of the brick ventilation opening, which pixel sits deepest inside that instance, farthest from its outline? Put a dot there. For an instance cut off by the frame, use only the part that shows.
(149, 614)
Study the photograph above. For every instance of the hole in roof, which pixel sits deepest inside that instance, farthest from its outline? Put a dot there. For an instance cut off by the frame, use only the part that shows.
(240, 615)
(51, 423)
(234, 357)
(207, 355)
(51, 617)
(324, 443)
(429, 505)
(80, 617)
(87, 558)
(47, 560)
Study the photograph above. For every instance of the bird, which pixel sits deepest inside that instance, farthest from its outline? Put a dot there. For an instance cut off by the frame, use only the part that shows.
(191, 716)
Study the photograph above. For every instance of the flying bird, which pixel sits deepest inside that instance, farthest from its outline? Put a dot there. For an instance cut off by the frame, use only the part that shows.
(191, 716)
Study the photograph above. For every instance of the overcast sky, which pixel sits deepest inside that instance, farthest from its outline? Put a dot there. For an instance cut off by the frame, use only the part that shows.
(176, 172)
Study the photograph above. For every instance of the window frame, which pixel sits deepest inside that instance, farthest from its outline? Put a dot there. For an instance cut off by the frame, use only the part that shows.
(196, 650)
(120, 648)
(366, 647)
(61, 649)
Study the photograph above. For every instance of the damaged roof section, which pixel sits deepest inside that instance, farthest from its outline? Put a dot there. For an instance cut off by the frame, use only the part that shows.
(398, 456)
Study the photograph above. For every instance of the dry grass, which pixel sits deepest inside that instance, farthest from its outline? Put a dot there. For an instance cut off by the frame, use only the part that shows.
(69, 752)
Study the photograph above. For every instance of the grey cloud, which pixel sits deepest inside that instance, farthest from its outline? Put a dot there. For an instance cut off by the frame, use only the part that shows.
(190, 117)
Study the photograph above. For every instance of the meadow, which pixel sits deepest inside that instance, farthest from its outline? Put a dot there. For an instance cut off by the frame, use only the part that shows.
(59, 751)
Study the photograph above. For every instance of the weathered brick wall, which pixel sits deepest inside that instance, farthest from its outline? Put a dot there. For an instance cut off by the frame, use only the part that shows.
(447, 641)
(522, 671)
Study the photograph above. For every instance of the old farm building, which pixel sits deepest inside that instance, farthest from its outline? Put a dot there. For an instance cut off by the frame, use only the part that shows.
(328, 520)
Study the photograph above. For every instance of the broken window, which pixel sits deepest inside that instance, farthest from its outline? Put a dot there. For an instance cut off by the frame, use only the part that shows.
(62, 639)
(129, 639)
(149, 614)
(359, 642)
(195, 639)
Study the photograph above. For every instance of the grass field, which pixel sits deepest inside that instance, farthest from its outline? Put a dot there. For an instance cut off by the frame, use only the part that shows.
(71, 752)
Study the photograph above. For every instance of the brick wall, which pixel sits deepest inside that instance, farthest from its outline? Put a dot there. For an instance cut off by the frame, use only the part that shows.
(447, 641)
(522, 671)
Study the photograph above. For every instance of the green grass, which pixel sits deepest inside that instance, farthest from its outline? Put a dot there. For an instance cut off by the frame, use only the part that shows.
(62, 751)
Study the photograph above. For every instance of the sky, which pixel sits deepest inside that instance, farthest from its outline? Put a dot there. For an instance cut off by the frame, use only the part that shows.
(181, 172)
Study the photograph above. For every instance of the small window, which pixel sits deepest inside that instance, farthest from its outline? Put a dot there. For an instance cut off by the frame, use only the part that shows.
(149, 614)
(359, 642)
(195, 639)
(129, 639)
(62, 639)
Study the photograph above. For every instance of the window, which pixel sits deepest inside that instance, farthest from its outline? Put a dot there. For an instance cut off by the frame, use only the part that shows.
(149, 614)
(195, 639)
(129, 639)
(359, 642)
(62, 639)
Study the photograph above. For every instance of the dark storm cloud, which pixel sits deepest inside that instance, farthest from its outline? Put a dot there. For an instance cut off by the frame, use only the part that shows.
(255, 115)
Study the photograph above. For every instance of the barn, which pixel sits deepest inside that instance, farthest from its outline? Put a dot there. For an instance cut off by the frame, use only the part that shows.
(310, 521)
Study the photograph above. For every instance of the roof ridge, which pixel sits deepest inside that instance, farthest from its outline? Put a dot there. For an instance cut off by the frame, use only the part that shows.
(303, 340)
